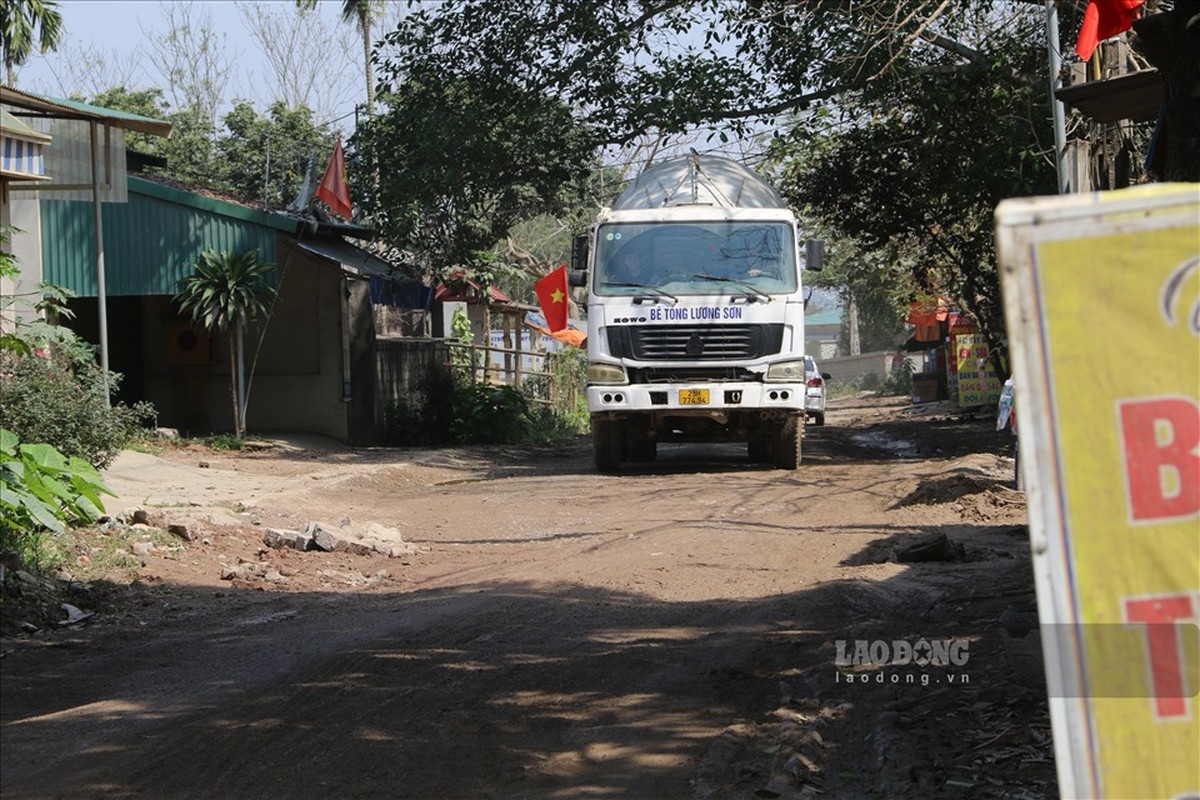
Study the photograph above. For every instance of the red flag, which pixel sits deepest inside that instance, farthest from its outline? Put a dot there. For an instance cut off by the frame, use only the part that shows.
(333, 188)
(1102, 20)
(552, 295)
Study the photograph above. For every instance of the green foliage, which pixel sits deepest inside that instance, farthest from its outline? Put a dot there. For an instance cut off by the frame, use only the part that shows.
(223, 441)
(461, 159)
(58, 396)
(234, 159)
(914, 181)
(51, 388)
(26, 26)
(900, 381)
(446, 410)
(285, 137)
(425, 417)
(486, 414)
(940, 113)
(227, 289)
(43, 490)
(621, 66)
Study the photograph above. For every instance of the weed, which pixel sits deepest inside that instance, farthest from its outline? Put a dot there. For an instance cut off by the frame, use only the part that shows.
(226, 441)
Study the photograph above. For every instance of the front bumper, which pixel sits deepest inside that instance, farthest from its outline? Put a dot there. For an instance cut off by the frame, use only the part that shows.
(721, 396)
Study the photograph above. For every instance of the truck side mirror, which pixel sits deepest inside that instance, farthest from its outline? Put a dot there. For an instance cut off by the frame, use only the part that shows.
(814, 254)
(579, 259)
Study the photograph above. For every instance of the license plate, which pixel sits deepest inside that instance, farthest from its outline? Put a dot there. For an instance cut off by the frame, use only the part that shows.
(693, 397)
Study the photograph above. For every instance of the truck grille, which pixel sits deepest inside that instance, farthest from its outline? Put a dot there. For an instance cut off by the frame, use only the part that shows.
(705, 374)
(694, 342)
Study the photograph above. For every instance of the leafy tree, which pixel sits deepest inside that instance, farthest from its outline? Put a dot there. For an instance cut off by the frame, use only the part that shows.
(284, 139)
(143, 102)
(928, 113)
(463, 160)
(190, 150)
(227, 291)
(915, 181)
(235, 160)
(26, 25)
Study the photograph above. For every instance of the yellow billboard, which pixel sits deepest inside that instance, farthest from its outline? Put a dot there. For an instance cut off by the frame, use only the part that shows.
(1102, 298)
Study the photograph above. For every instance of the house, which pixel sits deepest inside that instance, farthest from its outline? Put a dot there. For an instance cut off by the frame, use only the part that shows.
(822, 332)
(314, 363)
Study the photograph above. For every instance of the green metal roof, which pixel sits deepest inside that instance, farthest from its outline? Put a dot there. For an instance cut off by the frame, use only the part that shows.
(833, 317)
(151, 242)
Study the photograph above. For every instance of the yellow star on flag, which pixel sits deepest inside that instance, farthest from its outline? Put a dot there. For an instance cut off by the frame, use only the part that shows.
(556, 296)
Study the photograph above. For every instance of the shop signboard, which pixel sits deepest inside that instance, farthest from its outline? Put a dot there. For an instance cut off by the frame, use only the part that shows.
(1102, 299)
(976, 381)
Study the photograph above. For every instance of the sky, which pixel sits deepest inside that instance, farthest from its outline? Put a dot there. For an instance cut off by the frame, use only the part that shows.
(123, 32)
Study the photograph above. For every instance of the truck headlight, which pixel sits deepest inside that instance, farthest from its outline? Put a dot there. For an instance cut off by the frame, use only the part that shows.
(785, 372)
(611, 373)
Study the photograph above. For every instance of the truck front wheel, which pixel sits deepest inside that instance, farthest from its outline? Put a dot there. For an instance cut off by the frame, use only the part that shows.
(606, 444)
(642, 449)
(787, 446)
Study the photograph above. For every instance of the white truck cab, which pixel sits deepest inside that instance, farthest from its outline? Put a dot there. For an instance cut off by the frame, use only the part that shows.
(696, 315)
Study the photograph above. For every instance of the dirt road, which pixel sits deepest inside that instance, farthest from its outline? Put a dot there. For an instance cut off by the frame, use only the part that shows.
(669, 632)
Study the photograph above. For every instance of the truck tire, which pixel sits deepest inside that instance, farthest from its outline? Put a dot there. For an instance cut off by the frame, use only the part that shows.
(787, 446)
(759, 450)
(819, 418)
(607, 445)
(642, 449)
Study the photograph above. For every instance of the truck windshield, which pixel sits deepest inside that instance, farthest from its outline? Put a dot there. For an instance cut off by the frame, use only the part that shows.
(695, 258)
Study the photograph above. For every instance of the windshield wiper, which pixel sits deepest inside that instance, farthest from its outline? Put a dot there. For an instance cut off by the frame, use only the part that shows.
(754, 291)
(638, 298)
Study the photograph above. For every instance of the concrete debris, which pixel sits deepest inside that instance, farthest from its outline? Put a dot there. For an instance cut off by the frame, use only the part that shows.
(279, 539)
(323, 536)
(251, 571)
(183, 530)
(74, 615)
(372, 539)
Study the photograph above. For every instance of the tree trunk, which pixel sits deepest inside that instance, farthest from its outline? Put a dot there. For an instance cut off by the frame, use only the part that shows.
(370, 72)
(233, 394)
(241, 378)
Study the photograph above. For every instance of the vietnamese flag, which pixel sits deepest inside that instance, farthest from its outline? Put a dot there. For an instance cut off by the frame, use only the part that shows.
(1104, 19)
(552, 295)
(333, 188)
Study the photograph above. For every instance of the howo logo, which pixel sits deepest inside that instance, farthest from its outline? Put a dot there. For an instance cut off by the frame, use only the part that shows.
(1172, 294)
(695, 345)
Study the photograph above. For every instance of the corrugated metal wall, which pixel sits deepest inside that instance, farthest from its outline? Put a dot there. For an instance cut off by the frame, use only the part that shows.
(151, 242)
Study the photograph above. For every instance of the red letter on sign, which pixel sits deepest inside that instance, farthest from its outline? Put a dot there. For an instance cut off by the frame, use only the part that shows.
(1162, 640)
(1161, 439)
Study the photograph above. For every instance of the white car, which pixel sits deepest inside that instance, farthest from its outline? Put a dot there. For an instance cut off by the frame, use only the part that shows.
(814, 400)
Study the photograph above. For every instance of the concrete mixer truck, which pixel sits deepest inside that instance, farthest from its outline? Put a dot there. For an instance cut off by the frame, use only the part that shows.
(695, 313)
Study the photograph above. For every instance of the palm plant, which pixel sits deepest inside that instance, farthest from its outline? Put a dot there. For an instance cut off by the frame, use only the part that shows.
(25, 24)
(361, 13)
(226, 291)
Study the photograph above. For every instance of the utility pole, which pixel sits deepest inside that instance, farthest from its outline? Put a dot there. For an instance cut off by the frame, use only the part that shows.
(855, 347)
(1056, 106)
